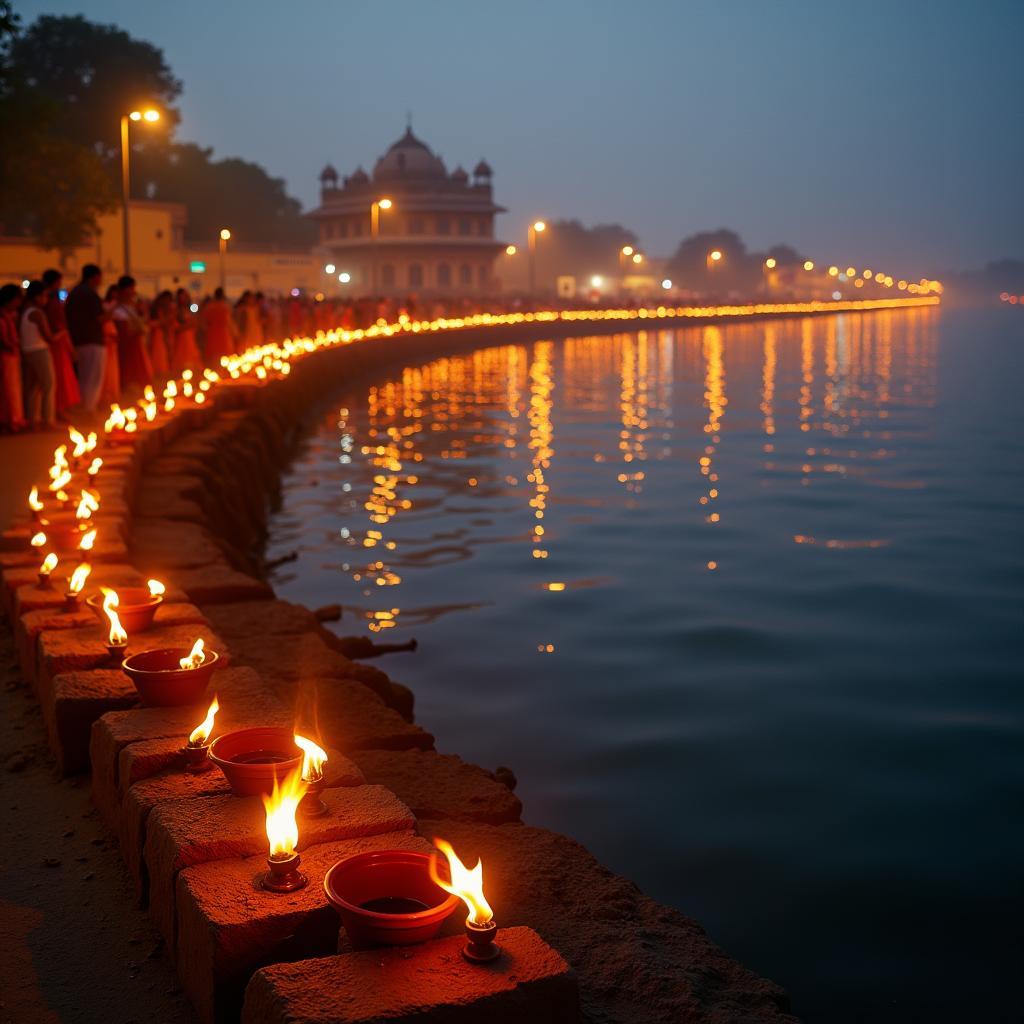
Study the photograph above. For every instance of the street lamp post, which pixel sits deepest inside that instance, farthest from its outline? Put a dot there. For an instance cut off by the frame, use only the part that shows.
(531, 238)
(375, 208)
(225, 236)
(151, 116)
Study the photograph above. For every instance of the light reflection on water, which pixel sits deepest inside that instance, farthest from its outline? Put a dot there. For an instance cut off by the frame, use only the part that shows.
(739, 605)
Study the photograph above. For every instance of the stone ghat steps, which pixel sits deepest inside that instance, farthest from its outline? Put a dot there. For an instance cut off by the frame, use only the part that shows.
(195, 490)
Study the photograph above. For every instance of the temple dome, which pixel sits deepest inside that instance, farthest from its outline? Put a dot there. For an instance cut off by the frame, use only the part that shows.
(460, 175)
(482, 170)
(409, 158)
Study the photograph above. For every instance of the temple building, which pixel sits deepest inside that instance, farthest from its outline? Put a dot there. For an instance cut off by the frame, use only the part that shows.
(410, 227)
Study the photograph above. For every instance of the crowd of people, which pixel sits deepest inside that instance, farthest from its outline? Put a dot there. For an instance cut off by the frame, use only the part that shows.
(70, 353)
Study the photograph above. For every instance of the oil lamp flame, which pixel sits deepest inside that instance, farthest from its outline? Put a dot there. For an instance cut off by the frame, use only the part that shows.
(313, 759)
(33, 500)
(60, 481)
(79, 441)
(78, 578)
(156, 588)
(118, 637)
(201, 733)
(282, 829)
(196, 657)
(49, 564)
(466, 883)
(38, 539)
(87, 504)
(87, 541)
(95, 466)
(116, 420)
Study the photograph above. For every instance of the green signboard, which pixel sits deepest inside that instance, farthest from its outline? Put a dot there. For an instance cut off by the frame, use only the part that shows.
(197, 267)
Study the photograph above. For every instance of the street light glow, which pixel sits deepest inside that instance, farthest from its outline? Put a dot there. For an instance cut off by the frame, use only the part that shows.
(344, 277)
(595, 281)
(225, 234)
(151, 115)
(384, 204)
(539, 225)
(808, 264)
(770, 263)
(330, 268)
(637, 258)
(715, 255)
(666, 284)
(510, 250)
(627, 250)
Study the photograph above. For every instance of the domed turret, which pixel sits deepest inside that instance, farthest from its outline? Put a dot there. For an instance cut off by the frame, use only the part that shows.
(329, 177)
(357, 177)
(482, 172)
(408, 158)
(459, 176)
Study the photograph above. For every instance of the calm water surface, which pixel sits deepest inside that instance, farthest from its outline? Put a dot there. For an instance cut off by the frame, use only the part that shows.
(741, 606)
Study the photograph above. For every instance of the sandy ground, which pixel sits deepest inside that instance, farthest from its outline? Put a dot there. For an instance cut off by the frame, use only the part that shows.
(73, 946)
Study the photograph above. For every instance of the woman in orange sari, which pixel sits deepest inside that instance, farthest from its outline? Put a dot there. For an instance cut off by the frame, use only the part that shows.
(111, 391)
(185, 353)
(220, 329)
(159, 338)
(68, 395)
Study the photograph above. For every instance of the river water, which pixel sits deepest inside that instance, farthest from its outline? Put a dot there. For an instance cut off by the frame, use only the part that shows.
(742, 608)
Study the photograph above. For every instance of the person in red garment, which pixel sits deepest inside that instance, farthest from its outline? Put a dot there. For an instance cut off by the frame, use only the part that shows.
(220, 329)
(133, 360)
(61, 349)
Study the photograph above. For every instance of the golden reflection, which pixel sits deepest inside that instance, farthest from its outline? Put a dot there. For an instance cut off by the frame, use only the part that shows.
(715, 400)
(541, 439)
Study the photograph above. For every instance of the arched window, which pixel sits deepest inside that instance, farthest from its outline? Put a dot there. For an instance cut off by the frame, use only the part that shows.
(465, 274)
(415, 275)
(444, 276)
(387, 275)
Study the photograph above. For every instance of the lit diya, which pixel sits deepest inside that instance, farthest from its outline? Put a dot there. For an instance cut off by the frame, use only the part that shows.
(314, 757)
(196, 751)
(283, 835)
(136, 605)
(121, 424)
(34, 504)
(468, 885)
(117, 636)
(73, 595)
(49, 564)
(171, 676)
(388, 898)
(257, 760)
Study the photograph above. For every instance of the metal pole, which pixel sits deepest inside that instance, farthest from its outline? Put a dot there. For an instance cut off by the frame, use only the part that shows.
(125, 195)
(374, 227)
(223, 253)
(531, 244)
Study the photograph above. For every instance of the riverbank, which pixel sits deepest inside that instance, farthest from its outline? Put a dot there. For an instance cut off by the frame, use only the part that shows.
(198, 503)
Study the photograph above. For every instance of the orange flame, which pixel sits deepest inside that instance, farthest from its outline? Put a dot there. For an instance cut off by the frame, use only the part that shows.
(79, 441)
(95, 466)
(282, 829)
(88, 503)
(466, 883)
(116, 420)
(156, 588)
(199, 735)
(33, 500)
(110, 604)
(196, 657)
(38, 539)
(313, 759)
(49, 564)
(87, 541)
(78, 578)
(60, 481)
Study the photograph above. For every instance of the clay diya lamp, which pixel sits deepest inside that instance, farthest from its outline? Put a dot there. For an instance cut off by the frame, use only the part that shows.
(162, 680)
(196, 753)
(388, 898)
(43, 575)
(73, 595)
(283, 873)
(314, 757)
(468, 885)
(121, 426)
(255, 760)
(136, 608)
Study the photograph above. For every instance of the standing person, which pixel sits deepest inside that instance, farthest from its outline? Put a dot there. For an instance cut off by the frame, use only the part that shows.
(161, 331)
(136, 370)
(252, 320)
(185, 353)
(12, 411)
(85, 317)
(111, 390)
(63, 355)
(38, 384)
(220, 328)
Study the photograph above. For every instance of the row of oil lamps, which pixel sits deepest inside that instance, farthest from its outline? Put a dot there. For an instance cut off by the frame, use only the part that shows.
(394, 897)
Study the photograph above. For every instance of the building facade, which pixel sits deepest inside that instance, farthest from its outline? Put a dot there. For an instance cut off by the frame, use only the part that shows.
(433, 234)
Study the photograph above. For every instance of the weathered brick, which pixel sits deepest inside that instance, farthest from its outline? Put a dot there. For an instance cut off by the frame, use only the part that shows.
(181, 833)
(172, 783)
(229, 927)
(241, 693)
(218, 583)
(352, 717)
(427, 984)
(256, 620)
(440, 785)
(164, 545)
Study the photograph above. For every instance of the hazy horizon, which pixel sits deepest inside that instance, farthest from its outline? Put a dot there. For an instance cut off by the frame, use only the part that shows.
(870, 135)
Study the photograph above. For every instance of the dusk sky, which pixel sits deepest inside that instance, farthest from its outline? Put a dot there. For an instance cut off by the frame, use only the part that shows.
(859, 132)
